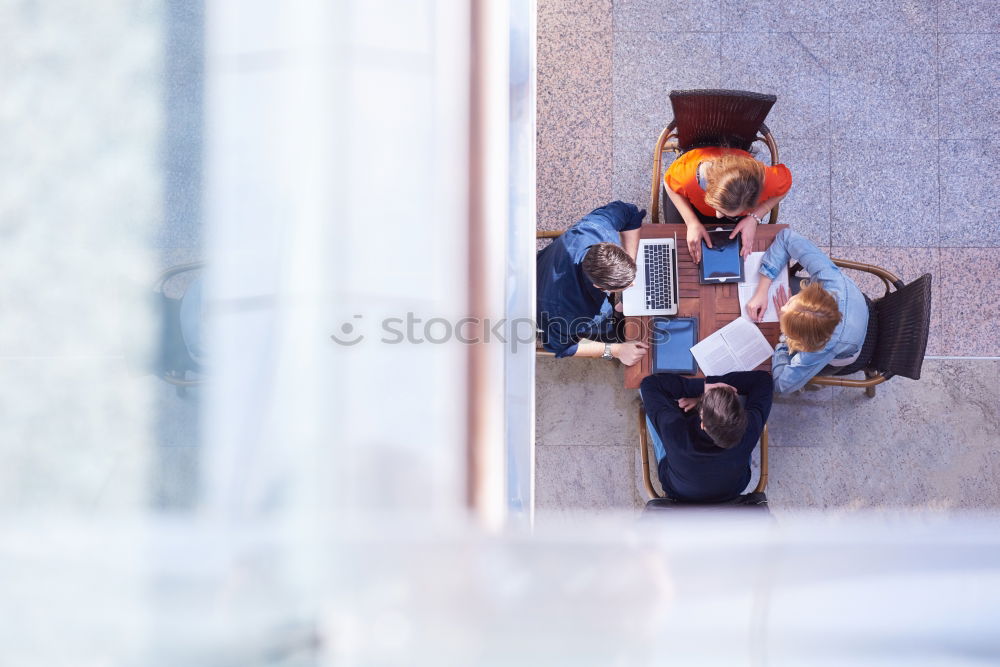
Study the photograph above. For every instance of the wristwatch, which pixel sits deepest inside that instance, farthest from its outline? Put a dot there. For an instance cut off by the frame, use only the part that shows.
(607, 352)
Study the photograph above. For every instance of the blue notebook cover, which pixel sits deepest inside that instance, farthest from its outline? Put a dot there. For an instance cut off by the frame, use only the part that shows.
(672, 340)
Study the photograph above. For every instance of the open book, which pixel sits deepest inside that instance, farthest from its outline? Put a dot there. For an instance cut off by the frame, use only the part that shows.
(738, 346)
(747, 289)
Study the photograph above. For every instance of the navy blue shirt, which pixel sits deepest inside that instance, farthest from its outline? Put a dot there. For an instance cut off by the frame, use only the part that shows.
(695, 468)
(569, 306)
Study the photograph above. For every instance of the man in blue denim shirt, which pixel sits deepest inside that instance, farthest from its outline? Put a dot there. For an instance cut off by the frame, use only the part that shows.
(575, 275)
(807, 344)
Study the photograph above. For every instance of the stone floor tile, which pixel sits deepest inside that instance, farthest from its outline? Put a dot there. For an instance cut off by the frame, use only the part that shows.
(175, 478)
(883, 86)
(776, 17)
(883, 195)
(970, 85)
(906, 263)
(970, 193)
(584, 402)
(807, 207)
(633, 172)
(970, 308)
(574, 15)
(574, 82)
(593, 478)
(968, 16)
(573, 176)
(883, 16)
(666, 15)
(648, 65)
(798, 73)
(801, 419)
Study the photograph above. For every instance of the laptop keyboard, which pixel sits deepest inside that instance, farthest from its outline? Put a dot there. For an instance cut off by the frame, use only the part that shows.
(659, 275)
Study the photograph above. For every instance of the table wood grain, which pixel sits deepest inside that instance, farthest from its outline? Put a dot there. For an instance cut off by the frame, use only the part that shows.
(715, 306)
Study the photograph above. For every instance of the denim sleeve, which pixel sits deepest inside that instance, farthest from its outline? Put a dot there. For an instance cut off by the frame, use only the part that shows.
(556, 337)
(789, 245)
(792, 371)
(620, 216)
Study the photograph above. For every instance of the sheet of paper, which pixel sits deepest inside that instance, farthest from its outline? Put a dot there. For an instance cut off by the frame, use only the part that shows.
(714, 357)
(747, 344)
(746, 289)
(738, 346)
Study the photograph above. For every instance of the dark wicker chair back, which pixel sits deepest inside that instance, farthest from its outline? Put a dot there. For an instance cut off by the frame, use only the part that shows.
(904, 320)
(719, 117)
(867, 348)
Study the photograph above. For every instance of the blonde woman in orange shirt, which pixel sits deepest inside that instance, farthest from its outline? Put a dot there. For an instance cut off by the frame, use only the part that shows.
(725, 183)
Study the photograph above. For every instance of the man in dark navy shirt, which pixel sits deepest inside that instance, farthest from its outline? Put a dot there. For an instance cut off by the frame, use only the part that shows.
(577, 272)
(702, 433)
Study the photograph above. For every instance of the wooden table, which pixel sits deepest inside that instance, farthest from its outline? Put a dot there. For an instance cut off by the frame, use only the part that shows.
(715, 306)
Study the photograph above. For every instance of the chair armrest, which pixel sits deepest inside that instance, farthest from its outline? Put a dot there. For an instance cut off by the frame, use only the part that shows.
(644, 454)
(176, 270)
(666, 141)
(888, 278)
(762, 482)
(834, 381)
(548, 233)
(772, 147)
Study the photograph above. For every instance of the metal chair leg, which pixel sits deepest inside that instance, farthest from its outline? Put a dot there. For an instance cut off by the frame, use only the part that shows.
(870, 391)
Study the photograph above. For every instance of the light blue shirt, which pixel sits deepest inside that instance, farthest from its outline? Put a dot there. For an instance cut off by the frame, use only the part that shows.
(792, 371)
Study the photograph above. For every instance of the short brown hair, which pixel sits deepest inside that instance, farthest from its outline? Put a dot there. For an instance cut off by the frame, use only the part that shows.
(810, 320)
(609, 267)
(723, 416)
(734, 183)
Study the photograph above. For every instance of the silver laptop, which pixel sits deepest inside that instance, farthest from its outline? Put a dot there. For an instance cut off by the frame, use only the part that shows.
(655, 290)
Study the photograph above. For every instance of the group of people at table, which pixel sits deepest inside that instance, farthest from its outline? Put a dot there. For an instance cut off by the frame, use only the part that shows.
(703, 430)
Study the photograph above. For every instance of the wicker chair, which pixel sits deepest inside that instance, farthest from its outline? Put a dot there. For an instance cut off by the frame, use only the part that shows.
(732, 118)
(898, 326)
(657, 502)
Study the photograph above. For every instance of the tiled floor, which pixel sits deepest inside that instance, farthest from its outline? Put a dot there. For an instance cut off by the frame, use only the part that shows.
(886, 117)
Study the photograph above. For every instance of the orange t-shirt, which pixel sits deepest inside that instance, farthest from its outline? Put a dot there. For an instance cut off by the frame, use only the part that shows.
(682, 177)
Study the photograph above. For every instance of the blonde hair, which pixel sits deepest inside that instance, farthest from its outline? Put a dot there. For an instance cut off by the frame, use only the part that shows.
(734, 183)
(810, 319)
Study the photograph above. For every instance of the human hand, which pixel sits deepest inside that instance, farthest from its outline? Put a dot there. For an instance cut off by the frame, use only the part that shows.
(629, 353)
(757, 306)
(687, 403)
(780, 298)
(618, 307)
(748, 228)
(695, 233)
